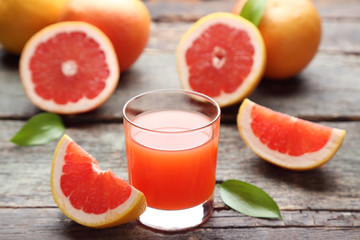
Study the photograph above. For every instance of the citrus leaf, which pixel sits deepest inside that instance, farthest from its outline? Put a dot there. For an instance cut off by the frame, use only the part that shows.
(253, 10)
(248, 199)
(40, 129)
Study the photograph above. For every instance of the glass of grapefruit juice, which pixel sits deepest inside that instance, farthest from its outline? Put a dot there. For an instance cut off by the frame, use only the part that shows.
(171, 141)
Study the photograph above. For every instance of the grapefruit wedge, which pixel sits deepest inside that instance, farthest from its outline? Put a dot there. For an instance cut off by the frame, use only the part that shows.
(88, 195)
(287, 141)
(69, 68)
(223, 56)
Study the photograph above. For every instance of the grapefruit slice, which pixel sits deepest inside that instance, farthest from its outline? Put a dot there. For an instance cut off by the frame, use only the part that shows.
(88, 195)
(287, 141)
(69, 68)
(223, 56)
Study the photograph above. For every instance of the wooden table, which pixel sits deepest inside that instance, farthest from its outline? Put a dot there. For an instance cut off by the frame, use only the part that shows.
(319, 204)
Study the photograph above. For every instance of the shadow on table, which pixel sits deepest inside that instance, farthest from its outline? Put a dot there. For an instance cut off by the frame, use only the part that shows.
(9, 60)
(270, 93)
(73, 230)
(278, 88)
(132, 230)
(318, 180)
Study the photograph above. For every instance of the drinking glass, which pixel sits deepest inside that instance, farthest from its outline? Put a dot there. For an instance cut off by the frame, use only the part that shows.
(171, 141)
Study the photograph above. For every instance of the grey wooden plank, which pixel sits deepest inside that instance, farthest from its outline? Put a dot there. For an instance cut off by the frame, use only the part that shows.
(303, 218)
(219, 219)
(341, 37)
(338, 9)
(49, 223)
(334, 186)
(13, 102)
(190, 10)
(327, 89)
(319, 204)
(328, 86)
(341, 31)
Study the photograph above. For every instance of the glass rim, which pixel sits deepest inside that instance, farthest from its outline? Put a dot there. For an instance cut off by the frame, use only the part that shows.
(187, 92)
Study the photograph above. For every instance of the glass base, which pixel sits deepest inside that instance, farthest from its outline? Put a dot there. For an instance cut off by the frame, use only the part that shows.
(177, 220)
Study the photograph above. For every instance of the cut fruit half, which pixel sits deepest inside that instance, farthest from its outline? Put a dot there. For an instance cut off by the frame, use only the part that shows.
(223, 56)
(69, 68)
(88, 195)
(287, 141)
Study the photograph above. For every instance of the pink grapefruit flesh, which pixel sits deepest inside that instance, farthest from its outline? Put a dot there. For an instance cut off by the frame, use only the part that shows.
(88, 195)
(287, 141)
(69, 68)
(222, 55)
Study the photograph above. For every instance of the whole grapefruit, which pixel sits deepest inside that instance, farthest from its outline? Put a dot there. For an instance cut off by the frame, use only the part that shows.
(292, 33)
(125, 22)
(20, 19)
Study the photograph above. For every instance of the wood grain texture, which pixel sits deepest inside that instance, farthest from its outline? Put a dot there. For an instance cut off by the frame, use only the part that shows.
(326, 89)
(191, 10)
(338, 36)
(328, 86)
(334, 186)
(50, 223)
(320, 204)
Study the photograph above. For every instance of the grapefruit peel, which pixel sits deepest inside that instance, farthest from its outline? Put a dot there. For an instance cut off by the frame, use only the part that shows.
(128, 211)
(305, 161)
(84, 104)
(251, 81)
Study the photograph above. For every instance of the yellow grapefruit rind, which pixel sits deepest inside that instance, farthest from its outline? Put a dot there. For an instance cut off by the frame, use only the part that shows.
(304, 162)
(130, 210)
(20, 19)
(251, 81)
(84, 104)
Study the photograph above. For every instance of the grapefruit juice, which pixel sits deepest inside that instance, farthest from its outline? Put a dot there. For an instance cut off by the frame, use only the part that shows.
(172, 157)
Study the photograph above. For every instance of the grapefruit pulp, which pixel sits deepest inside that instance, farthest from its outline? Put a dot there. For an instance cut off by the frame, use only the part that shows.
(223, 56)
(69, 68)
(88, 195)
(287, 141)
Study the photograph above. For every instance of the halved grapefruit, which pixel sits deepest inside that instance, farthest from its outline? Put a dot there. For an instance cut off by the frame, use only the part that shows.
(223, 56)
(88, 195)
(287, 141)
(69, 68)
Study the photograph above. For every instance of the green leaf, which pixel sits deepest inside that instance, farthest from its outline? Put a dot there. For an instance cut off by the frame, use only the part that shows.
(248, 199)
(40, 129)
(253, 10)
